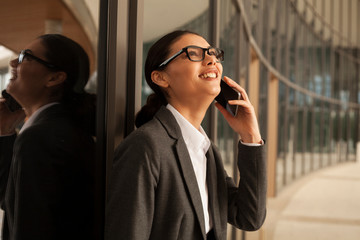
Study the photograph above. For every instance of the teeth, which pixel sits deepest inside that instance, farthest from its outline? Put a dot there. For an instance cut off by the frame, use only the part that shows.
(208, 75)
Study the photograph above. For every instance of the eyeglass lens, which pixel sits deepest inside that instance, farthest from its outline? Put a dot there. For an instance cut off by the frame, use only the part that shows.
(21, 56)
(198, 54)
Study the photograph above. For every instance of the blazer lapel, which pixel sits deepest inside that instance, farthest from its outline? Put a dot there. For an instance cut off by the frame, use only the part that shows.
(169, 122)
(190, 180)
(211, 180)
(217, 189)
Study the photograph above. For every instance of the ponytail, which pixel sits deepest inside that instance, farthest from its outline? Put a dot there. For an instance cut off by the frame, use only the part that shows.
(157, 54)
(72, 59)
(147, 112)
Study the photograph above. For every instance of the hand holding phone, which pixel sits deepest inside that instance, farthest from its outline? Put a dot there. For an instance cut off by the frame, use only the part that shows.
(10, 102)
(228, 93)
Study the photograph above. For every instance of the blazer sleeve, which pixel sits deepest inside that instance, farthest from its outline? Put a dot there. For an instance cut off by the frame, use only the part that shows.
(6, 151)
(131, 194)
(247, 201)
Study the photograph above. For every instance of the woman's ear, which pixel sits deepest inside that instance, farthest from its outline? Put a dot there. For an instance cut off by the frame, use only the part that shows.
(160, 79)
(56, 79)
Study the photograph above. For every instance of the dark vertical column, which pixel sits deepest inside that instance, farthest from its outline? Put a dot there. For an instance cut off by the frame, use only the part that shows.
(340, 79)
(349, 37)
(322, 127)
(296, 31)
(214, 40)
(281, 152)
(104, 140)
(357, 111)
(237, 76)
(247, 46)
(304, 83)
(285, 62)
(332, 82)
(134, 67)
(312, 68)
(350, 76)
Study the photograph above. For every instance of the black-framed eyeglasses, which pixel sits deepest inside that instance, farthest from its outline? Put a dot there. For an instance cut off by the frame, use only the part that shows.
(196, 54)
(25, 53)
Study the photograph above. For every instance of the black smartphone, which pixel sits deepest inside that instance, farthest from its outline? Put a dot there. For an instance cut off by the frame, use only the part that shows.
(10, 102)
(228, 93)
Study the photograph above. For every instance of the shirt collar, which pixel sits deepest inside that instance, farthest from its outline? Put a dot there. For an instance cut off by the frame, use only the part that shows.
(32, 118)
(194, 138)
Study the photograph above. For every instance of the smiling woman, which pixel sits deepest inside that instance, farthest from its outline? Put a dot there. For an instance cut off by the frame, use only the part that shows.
(168, 180)
(47, 171)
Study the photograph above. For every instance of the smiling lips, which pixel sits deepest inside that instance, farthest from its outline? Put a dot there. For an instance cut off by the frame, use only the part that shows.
(13, 74)
(209, 75)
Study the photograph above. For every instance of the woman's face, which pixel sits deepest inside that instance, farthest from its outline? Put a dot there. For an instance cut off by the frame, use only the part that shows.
(27, 83)
(192, 82)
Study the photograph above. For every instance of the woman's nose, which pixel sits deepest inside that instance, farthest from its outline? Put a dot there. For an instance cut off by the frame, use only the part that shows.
(210, 59)
(14, 62)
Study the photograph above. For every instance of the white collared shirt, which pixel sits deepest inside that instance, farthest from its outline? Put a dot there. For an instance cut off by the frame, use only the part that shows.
(31, 119)
(197, 143)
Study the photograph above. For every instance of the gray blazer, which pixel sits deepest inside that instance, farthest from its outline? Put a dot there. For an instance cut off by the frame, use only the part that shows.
(153, 192)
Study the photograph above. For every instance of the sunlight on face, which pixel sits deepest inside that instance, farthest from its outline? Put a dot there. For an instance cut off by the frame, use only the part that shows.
(29, 77)
(192, 83)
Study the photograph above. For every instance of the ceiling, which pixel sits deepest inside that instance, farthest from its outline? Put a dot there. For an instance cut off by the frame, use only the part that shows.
(162, 16)
(21, 21)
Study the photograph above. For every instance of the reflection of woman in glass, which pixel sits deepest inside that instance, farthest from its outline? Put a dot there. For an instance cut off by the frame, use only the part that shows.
(46, 171)
(168, 180)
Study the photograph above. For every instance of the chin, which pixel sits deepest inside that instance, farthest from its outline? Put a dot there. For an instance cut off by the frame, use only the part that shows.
(8, 88)
(216, 90)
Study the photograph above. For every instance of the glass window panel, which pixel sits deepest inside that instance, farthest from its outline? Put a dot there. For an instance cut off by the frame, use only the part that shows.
(317, 121)
(299, 141)
(164, 16)
(351, 136)
(263, 101)
(25, 21)
(289, 144)
(225, 134)
(308, 139)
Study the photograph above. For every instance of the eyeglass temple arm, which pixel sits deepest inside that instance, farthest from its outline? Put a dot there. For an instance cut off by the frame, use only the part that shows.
(171, 58)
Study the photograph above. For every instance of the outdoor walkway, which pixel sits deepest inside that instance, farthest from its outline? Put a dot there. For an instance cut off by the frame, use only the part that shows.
(324, 205)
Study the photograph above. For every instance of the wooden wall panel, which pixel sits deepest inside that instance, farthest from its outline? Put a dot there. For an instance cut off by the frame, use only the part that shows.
(21, 21)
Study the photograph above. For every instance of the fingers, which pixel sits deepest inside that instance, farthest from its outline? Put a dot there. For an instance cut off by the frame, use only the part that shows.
(245, 122)
(244, 102)
(223, 111)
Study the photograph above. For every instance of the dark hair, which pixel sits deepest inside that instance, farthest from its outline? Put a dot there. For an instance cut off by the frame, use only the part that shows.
(71, 58)
(158, 53)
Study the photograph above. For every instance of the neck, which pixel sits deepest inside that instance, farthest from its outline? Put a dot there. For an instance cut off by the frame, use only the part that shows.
(194, 113)
(30, 109)
(33, 104)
